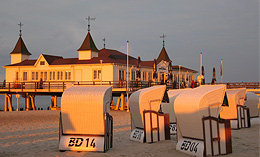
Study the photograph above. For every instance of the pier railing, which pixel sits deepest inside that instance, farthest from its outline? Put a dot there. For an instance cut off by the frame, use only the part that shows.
(132, 85)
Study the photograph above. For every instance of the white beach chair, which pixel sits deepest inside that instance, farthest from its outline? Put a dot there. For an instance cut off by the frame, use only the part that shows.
(199, 131)
(253, 103)
(236, 112)
(169, 108)
(147, 124)
(85, 124)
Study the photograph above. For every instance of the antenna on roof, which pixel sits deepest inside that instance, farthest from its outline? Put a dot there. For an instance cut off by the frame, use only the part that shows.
(104, 42)
(20, 24)
(163, 36)
(89, 22)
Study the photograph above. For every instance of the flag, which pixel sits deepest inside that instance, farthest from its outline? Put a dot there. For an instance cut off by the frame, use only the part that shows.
(214, 73)
(154, 69)
(138, 72)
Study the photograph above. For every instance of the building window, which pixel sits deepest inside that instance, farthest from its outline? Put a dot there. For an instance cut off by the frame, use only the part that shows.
(25, 76)
(45, 76)
(16, 76)
(67, 75)
(149, 76)
(97, 75)
(42, 63)
(50, 78)
(60, 75)
(53, 75)
(121, 74)
(33, 75)
(144, 76)
(36, 76)
(41, 76)
(133, 75)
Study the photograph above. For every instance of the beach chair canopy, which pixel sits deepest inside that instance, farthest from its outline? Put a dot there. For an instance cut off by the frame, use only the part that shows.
(253, 103)
(169, 107)
(145, 99)
(235, 97)
(83, 109)
(192, 105)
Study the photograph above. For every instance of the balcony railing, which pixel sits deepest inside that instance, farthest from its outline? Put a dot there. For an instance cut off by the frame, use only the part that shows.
(132, 85)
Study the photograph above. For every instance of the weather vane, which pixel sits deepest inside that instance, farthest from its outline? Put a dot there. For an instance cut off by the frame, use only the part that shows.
(104, 42)
(89, 22)
(20, 24)
(163, 36)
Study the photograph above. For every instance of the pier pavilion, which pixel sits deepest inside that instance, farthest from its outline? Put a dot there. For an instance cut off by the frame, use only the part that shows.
(51, 74)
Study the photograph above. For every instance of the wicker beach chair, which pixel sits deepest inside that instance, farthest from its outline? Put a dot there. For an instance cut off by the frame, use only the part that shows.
(85, 124)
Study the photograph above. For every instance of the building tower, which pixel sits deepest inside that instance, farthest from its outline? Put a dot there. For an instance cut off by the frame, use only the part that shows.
(20, 52)
(88, 48)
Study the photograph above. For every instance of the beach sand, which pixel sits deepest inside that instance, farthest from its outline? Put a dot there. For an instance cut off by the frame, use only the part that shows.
(36, 133)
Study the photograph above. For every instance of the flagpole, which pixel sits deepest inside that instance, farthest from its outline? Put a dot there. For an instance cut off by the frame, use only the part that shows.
(200, 63)
(221, 70)
(127, 95)
(179, 76)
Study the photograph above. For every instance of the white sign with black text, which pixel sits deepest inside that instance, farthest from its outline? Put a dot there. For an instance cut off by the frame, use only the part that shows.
(191, 147)
(173, 128)
(82, 143)
(137, 135)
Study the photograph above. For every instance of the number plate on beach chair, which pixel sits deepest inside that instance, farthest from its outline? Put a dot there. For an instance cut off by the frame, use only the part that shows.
(82, 143)
(137, 135)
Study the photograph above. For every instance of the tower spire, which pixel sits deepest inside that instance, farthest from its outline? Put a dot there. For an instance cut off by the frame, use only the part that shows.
(89, 18)
(20, 24)
(163, 36)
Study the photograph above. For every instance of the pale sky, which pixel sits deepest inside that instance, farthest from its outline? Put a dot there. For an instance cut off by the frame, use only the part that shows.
(222, 29)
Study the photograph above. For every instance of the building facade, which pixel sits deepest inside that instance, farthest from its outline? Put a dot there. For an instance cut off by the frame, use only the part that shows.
(91, 65)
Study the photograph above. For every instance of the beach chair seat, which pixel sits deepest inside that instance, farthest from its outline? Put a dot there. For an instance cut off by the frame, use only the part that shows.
(85, 123)
(147, 124)
(199, 130)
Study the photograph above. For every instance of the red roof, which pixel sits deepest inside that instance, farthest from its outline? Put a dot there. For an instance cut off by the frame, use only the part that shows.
(20, 48)
(176, 67)
(163, 56)
(106, 55)
(88, 44)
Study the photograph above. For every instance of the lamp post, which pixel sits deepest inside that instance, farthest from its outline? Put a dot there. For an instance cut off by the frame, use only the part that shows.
(101, 71)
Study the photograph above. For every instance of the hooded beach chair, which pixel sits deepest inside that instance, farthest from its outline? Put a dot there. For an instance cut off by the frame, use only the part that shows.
(199, 130)
(169, 108)
(236, 112)
(85, 124)
(148, 125)
(253, 103)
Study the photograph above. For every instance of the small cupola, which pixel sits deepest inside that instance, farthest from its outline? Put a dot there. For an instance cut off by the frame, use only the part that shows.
(20, 52)
(88, 49)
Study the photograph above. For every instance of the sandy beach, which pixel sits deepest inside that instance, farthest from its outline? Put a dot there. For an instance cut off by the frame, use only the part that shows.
(36, 133)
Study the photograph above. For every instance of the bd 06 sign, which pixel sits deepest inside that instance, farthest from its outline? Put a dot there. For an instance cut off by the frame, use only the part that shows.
(82, 143)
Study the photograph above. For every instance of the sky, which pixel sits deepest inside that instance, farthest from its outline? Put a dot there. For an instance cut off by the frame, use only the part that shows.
(223, 29)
